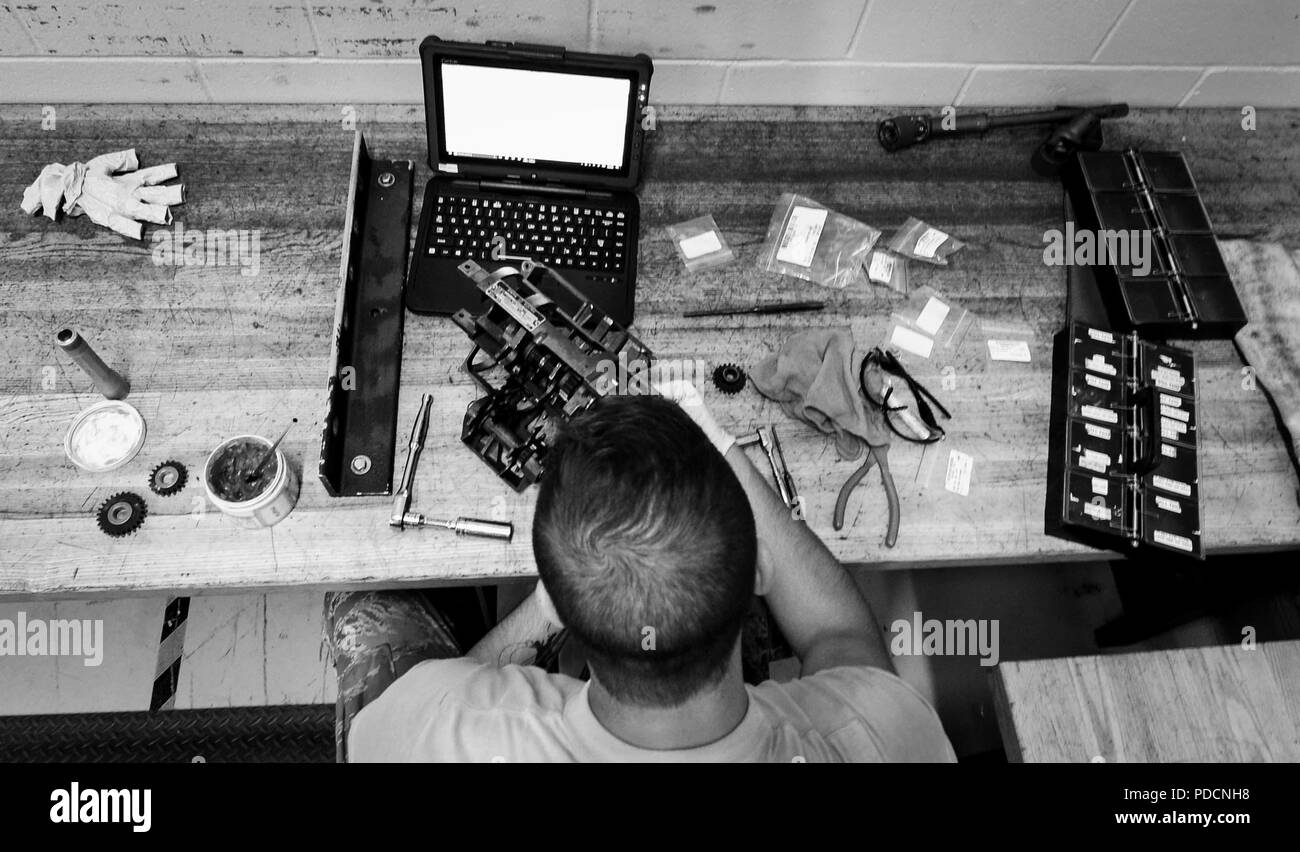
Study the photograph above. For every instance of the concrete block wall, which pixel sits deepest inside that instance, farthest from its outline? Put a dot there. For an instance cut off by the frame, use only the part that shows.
(856, 52)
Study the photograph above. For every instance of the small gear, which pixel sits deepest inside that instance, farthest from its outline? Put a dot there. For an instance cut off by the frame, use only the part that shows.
(121, 514)
(168, 478)
(729, 379)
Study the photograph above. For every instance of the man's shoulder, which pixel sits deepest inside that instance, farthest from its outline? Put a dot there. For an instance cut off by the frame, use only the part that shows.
(865, 710)
(473, 685)
(461, 710)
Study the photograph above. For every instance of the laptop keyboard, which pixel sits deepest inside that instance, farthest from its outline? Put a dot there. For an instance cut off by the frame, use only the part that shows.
(564, 235)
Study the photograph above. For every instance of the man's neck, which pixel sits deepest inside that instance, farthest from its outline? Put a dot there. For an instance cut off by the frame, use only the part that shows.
(705, 718)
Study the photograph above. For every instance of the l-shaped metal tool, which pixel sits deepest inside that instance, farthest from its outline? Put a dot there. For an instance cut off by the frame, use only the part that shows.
(402, 516)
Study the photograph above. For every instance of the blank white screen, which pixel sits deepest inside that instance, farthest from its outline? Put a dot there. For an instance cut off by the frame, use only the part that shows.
(534, 115)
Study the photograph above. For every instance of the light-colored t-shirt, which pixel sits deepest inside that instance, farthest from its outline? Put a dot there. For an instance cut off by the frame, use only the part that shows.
(460, 710)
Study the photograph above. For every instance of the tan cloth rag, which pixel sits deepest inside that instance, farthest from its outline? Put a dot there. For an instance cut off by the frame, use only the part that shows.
(814, 376)
(1268, 283)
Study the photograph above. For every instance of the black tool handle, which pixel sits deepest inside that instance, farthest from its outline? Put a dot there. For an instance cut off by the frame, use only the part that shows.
(842, 501)
(891, 495)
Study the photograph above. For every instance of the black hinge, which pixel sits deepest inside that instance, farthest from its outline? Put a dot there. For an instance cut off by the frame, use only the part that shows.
(533, 51)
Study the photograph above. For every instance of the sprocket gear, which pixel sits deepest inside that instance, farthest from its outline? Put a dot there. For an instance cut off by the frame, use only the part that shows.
(729, 379)
(168, 478)
(121, 514)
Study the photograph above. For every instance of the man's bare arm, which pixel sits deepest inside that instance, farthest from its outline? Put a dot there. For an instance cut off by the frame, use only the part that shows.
(815, 601)
(521, 635)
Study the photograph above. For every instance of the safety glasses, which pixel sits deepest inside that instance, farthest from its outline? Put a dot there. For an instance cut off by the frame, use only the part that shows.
(897, 405)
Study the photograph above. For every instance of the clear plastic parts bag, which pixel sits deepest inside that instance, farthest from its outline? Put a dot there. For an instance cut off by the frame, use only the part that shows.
(810, 241)
(700, 244)
(920, 241)
(1012, 342)
(929, 325)
(889, 269)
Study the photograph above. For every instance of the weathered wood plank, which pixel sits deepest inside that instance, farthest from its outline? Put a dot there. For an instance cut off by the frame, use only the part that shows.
(212, 352)
(1211, 705)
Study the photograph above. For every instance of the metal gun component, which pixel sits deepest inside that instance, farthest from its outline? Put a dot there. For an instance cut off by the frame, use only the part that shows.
(1077, 129)
(555, 364)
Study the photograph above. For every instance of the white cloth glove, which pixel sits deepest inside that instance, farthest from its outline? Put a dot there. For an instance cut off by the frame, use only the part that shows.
(686, 395)
(113, 200)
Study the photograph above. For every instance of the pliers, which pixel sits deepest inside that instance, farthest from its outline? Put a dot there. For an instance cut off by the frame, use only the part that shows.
(875, 455)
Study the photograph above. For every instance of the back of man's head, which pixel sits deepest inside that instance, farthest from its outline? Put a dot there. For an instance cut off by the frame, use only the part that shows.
(645, 541)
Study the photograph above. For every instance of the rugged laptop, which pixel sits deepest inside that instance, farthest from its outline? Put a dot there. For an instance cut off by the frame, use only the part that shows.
(535, 152)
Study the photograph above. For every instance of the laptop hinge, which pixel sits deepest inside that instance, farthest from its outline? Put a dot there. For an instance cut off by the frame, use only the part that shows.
(542, 189)
(534, 51)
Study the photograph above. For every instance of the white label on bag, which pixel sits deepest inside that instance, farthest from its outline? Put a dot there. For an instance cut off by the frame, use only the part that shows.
(1097, 431)
(882, 268)
(802, 231)
(700, 244)
(1168, 451)
(1009, 350)
(957, 478)
(1105, 415)
(1097, 381)
(1171, 401)
(912, 341)
(509, 300)
(1172, 427)
(1168, 505)
(1101, 336)
(932, 316)
(928, 243)
(1172, 485)
(1171, 540)
(1096, 510)
(1176, 413)
(1100, 486)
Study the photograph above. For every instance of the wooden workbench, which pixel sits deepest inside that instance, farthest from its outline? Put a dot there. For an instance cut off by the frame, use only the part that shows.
(1201, 705)
(212, 353)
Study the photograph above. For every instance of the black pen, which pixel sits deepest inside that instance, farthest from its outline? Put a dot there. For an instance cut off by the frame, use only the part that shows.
(771, 308)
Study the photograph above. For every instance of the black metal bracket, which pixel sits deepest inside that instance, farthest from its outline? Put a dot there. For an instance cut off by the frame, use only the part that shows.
(359, 434)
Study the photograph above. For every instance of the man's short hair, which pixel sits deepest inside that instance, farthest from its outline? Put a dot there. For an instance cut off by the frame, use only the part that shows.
(646, 543)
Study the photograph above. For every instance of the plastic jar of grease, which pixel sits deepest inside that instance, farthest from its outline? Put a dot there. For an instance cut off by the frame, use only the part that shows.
(105, 436)
(263, 503)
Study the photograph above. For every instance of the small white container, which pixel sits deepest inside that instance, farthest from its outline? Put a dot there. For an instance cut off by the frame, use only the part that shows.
(105, 436)
(270, 506)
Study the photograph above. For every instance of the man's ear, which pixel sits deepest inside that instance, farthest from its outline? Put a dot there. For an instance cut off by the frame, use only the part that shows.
(763, 570)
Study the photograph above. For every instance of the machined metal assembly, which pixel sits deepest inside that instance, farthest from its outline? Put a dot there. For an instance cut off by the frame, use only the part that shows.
(540, 366)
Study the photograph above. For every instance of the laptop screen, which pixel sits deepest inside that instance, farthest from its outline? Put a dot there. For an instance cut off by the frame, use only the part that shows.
(547, 119)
